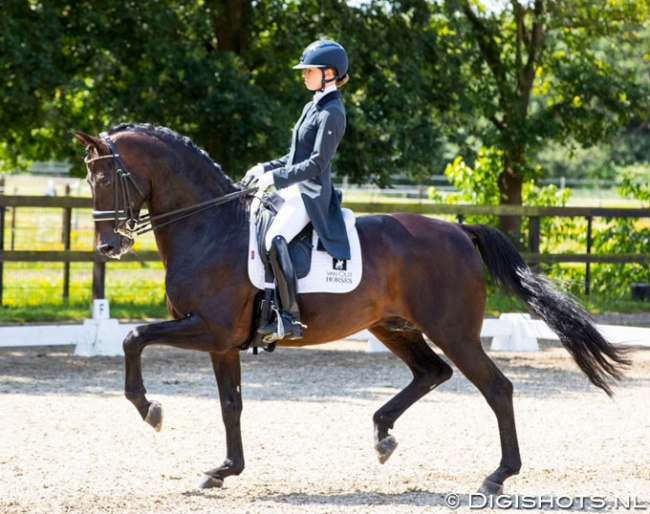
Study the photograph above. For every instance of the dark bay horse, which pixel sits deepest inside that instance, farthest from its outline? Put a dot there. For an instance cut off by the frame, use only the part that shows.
(421, 276)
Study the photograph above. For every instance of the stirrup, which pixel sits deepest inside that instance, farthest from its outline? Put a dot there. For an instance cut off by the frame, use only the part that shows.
(294, 332)
(275, 331)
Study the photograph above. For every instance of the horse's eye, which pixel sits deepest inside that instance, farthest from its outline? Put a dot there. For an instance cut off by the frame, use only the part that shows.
(103, 180)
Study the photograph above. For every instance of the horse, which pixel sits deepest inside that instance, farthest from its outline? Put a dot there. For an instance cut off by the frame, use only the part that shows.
(421, 277)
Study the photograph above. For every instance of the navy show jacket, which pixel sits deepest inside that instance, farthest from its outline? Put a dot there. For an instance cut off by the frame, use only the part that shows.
(316, 136)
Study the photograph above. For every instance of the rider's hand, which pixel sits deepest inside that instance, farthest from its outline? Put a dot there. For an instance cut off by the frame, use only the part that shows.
(265, 181)
(253, 174)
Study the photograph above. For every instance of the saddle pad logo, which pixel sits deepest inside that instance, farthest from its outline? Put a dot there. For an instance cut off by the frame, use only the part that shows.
(339, 273)
(339, 265)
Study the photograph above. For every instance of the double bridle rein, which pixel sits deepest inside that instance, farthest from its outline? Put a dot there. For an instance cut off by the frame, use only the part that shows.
(132, 223)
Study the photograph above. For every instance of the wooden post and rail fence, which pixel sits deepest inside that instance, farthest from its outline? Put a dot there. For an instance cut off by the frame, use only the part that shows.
(531, 255)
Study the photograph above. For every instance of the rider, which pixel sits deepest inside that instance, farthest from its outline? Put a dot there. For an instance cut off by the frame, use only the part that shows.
(303, 178)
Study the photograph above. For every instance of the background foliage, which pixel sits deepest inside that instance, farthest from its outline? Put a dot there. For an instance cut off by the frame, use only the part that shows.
(430, 80)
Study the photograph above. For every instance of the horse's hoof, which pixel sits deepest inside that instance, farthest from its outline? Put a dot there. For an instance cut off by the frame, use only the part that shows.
(489, 488)
(208, 482)
(385, 448)
(155, 416)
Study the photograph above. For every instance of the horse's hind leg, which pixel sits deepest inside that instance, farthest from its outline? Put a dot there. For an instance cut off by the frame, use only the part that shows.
(472, 361)
(428, 370)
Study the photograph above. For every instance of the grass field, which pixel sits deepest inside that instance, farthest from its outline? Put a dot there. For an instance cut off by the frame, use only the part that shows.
(35, 291)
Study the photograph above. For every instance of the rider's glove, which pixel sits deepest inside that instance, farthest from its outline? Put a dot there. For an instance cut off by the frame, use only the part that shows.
(253, 174)
(265, 181)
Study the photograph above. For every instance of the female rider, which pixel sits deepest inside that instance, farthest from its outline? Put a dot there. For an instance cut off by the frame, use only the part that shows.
(303, 178)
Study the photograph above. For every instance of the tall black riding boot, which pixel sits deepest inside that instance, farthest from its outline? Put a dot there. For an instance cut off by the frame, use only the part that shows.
(287, 283)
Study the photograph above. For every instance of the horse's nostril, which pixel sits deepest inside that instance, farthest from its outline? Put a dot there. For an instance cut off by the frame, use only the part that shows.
(106, 249)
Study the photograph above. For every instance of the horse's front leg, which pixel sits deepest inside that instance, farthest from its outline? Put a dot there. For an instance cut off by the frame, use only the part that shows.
(188, 333)
(227, 370)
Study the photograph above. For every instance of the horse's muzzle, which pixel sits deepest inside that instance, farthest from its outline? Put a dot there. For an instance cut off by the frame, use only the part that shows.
(114, 248)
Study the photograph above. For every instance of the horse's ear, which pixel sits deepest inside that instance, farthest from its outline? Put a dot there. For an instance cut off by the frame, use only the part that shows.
(86, 140)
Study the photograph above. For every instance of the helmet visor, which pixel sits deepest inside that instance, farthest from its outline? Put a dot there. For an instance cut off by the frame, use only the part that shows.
(302, 66)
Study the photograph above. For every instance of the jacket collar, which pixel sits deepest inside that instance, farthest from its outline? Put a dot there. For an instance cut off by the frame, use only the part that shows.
(334, 95)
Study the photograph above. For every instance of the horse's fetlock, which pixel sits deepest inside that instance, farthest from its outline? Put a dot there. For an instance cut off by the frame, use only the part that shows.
(382, 421)
(237, 468)
(228, 468)
(134, 395)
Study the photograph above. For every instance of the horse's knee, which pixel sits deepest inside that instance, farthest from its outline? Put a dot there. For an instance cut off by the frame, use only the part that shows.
(231, 409)
(133, 342)
(231, 406)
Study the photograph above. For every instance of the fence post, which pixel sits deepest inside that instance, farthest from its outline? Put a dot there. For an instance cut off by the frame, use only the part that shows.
(99, 276)
(2, 247)
(588, 264)
(66, 238)
(533, 234)
(533, 238)
(13, 227)
(2, 236)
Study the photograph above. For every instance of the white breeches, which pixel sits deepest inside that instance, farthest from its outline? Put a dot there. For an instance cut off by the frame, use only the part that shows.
(290, 219)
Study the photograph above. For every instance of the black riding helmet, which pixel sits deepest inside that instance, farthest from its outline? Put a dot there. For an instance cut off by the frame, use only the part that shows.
(325, 54)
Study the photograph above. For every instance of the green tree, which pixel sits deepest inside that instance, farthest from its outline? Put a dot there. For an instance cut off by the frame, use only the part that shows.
(428, 79)
(177, 64)
(537, 72)
(174, 62)
(32, 64)
(220, 72)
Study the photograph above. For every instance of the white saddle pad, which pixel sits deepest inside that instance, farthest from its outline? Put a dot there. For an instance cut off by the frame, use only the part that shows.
(326, 275)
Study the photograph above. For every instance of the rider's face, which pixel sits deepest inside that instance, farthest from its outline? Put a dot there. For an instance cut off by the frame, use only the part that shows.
(313, 77)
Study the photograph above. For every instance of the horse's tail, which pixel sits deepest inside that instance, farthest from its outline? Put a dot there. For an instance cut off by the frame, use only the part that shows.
(601, 361)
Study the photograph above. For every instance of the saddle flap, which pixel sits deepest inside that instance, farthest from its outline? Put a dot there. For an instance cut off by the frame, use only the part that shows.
(300, 247)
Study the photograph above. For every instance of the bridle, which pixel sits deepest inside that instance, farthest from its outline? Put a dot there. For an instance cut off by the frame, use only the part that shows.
(122, 192)
(132, 223)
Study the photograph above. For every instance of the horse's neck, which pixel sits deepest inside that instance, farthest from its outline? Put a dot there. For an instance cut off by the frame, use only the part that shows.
(216, 230)
(176, 188)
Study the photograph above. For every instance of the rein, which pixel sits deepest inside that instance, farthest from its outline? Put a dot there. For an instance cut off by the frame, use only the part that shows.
(145, 221)
(134, 225)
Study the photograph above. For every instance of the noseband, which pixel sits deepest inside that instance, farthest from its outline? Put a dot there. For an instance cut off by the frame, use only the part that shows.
(133, 224)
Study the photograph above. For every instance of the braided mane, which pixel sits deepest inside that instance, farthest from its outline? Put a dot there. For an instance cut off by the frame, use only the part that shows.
(172, 137)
